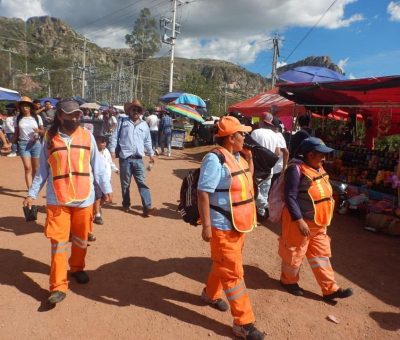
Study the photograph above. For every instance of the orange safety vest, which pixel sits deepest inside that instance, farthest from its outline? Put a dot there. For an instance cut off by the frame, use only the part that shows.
(241, 193)
(320, 192)
(70, 167)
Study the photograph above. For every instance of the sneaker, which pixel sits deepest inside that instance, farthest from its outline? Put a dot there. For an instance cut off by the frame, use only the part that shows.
(339, 294)
(12, 154)
(248, 332)
(219, 304)
(169, 154)
(98, 220)
(293, 288)
(56, 297)
(80, 277)
(91, 237)
(148, 211)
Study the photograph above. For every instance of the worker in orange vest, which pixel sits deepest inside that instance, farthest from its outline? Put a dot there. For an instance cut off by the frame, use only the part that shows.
(227, 211)
(69, 163)
(305, 218)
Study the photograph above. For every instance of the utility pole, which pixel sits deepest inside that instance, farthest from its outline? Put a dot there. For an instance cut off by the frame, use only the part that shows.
(175, 29)
(132, 79)
(83, 68)
(26, 50)
(9, 67)
(275, 59)
(225, 94)
(43, 70)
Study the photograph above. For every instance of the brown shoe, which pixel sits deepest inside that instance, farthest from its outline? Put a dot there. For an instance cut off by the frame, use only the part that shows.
(91, 237)
(148, 211)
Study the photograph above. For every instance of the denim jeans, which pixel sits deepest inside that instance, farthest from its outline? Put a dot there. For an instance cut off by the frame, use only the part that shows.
(166, 141)
(134, 167)
(262, 198)
(154, 139)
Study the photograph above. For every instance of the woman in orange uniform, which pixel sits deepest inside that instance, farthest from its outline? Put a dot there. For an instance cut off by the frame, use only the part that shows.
(69, 162)
(305, 219)
(227, 212)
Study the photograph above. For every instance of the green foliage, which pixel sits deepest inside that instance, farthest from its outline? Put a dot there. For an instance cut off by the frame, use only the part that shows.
(144, 39)
(391, 143)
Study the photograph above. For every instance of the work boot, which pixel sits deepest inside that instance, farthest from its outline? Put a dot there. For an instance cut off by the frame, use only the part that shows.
(248, 332)
(81, 277)
(293, 289)
(339, 294)
(219, 304)
(98, 220)
(56, 297)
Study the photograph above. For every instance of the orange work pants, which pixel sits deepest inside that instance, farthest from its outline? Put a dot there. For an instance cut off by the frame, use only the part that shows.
(293, 246)
(60, 223)
(227, 274)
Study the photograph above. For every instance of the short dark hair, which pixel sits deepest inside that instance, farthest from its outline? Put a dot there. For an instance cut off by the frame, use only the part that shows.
(47, 101)
(36, 101)
(101, 139)
(304, 120)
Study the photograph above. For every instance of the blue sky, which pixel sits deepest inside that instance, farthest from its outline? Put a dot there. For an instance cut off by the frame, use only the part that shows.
(360, 35)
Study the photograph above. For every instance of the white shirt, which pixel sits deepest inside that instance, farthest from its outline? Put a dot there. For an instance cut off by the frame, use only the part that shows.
(108, 162)
(266, 138)
(26, 127)
(279, 164)
(152, 121)
(9, 124)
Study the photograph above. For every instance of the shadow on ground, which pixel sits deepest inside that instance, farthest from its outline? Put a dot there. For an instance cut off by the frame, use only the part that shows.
(13, 193)
(128, 282)
(19, 226)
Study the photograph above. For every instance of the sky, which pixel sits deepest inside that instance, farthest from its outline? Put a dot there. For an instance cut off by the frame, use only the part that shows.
(361, 36)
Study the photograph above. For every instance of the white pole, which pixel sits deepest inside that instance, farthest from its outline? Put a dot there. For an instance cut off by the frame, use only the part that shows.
(171, 70)
(83, 69)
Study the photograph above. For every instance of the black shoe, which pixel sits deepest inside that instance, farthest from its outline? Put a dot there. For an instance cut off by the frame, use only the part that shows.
(339, 294)
(98, 220)
(293, 288)
(248, 332)
(126, 208)
(219, 304)
(56, 297)
(80, 277)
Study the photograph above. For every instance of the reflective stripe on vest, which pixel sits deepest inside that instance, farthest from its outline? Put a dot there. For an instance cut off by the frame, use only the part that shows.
(320, 192)
(70, 167)
(241, 193)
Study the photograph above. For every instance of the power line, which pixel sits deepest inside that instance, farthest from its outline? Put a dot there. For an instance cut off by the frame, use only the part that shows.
(310, 30)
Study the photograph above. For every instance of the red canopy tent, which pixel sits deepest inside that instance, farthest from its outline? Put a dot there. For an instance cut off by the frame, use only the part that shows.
(377, 99)
(268, 101)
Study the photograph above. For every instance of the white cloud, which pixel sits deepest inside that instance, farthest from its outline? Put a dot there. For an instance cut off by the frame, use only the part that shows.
(233, 30)
(280, 64)
(342, 63)
(394, 10)
(21, 8)
(352, 76)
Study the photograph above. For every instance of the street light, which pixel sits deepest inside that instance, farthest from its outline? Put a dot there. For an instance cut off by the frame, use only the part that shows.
(44, 70)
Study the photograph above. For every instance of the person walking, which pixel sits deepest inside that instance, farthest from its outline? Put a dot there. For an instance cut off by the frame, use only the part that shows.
(304, 132)
(268, 138)
(131, 139)
(28, 130)
(9, 130)
(305, 219)
(166, 133)
(227, 212)
(69, 163)
(153, 122)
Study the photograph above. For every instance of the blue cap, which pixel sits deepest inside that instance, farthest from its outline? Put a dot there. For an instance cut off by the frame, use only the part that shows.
(313, 144)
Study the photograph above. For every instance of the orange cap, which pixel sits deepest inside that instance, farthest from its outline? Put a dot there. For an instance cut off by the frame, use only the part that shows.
(228, 125)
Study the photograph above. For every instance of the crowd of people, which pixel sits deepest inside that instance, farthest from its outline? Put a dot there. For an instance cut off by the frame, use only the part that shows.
(73, 154)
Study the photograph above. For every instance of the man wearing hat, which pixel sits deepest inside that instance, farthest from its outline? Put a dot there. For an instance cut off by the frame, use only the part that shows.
(266, 137)
(227, 212)
(69, 162)
(130, 141)
(305, 219)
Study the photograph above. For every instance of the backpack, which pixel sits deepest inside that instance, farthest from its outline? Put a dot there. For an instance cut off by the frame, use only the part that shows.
(276, 198)
(188, 195)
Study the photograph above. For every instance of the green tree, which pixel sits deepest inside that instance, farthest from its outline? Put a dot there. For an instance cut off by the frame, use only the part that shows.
(145, 38)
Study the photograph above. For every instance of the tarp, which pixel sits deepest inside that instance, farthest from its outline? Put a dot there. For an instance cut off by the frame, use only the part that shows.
(10, 95)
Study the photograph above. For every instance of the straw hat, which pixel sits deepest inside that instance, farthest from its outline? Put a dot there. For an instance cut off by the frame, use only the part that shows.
(26, 100)
(134, 103)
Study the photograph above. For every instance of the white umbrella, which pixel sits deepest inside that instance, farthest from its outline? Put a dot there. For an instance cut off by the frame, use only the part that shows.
(93, 106)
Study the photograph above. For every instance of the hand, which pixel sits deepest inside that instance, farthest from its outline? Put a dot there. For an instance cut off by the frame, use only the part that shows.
(152, 159)
(303, 227)
(28, 202)
(246, 153)
(107, 198)
(206, 233)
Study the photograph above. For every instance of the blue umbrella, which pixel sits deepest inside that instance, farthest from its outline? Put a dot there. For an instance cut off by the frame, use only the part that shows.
(53, 101)
(6, 94)
(170, 96)
(310, 74)
(190, 99)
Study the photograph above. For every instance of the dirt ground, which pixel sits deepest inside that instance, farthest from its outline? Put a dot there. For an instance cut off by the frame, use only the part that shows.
(147, 274)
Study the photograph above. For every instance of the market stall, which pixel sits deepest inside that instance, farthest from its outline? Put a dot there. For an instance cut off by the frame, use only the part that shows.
(372, 174)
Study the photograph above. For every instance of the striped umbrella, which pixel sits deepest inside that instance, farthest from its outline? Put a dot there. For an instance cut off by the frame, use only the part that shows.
(185, 111)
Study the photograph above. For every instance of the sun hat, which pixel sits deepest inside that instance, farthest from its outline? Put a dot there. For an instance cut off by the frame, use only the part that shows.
(313, 144)
(68, 106)
(134, 103)
(26, 100)
(268, 118)
(229, 125)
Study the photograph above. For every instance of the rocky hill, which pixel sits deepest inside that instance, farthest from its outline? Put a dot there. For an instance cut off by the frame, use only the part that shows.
(50, 61)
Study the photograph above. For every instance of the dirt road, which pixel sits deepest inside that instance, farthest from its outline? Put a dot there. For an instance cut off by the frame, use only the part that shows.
(147, 274)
